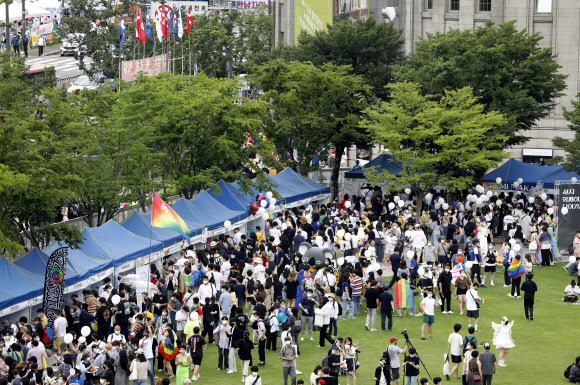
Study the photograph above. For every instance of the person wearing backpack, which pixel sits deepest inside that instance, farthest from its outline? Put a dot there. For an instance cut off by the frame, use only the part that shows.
(261, 340)
(574, 373)
(307, 305)
(382, 372)
(254, 378)
(272, 327)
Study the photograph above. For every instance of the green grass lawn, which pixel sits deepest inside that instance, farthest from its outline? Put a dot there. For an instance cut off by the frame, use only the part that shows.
(544, 347)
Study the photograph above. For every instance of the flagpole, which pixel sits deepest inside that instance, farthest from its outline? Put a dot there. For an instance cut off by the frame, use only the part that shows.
(150, 250)
(189, 50)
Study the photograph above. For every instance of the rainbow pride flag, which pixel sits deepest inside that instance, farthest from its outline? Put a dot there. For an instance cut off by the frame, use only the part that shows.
(516, 269)
(498, 264)
(403, 295)
(162, 215)
(168, 349)
(185, 281)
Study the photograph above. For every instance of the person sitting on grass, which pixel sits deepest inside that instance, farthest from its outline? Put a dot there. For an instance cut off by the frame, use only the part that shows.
(572, 291)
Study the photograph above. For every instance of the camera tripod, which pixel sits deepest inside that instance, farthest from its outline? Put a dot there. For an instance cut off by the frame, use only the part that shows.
(407, 340)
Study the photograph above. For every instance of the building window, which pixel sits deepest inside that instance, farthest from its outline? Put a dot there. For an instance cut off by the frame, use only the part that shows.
(544, 6)
(484, 5)
(428, 5)
(454, 5)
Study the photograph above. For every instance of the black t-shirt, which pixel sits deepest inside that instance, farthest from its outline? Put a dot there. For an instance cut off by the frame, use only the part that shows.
(159, 299)
(104, 315)
(395, 261)
(490, 259)
(196, 344)
(372, 295)
(445, 281)
(240, 291)
(410, 370)
(334, 359)
(425, 283)
(242, 321)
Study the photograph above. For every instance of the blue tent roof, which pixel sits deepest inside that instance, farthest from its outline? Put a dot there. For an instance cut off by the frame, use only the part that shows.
(17, 285)
(303, 186)
(140, 224)
(297, 178)
(512, 170)
(550, 179)
(34, 262)
(207, 204)
(384, 162)
(229, 197)
(121, 244)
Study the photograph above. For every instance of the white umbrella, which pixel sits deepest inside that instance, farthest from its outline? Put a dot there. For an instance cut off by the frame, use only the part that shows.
(15, 11)
(132, 279)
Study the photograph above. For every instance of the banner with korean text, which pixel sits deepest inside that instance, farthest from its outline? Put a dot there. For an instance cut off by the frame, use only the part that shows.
(151, 66)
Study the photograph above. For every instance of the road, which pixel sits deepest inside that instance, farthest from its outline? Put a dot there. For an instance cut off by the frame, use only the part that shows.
(64, 66)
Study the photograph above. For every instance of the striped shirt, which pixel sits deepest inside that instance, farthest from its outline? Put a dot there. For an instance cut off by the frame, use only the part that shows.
(356, 283)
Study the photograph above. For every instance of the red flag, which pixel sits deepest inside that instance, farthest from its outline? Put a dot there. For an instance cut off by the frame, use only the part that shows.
(164, 23)
(189, 21)
(140, 29)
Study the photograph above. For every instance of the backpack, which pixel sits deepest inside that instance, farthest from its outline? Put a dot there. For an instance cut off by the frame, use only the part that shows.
(268, 326)
(326, 362)
(571, 248)
(211, 278)
(309, 284)
(297, 327)
(567, 371)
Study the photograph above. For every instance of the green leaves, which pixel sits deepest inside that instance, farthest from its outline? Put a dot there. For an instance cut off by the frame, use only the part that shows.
(506, 68)
(438, 141)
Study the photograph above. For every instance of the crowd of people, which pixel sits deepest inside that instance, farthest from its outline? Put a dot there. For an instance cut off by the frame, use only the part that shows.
(259, 292)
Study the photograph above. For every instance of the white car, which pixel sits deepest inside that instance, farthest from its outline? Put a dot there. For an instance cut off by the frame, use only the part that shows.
(85, 83)
(71, 44)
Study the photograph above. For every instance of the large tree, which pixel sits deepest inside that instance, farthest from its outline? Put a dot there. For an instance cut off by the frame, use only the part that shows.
(438, 141)
(507, 69)
(571, 147)
(313, 108)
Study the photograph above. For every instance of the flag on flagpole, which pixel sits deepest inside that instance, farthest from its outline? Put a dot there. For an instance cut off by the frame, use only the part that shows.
(139, 30)
(189, 21)
(175, 27)
(162, 215)
(122, 31)
(148, 29)
(195, 67)
(158, 27)
(164, 23)
(169, 27)
(179, 26)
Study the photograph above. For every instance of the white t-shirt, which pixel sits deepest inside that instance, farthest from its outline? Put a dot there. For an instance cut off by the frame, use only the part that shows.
(225, 270)
(251, 380)
(60, 325)
(394, 352)
(147, 346)
(428, 306)
(274, 232)
(260, 272)
(471, 296)
(455, 340)
(217, 278)
(116, 337)
(572, 290)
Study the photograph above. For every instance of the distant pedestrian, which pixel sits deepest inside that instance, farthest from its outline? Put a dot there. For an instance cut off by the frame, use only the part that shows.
(15, 44)
(288, 355)
(387, 306)
(529, 288)
(25, 45)
(40, 44)
(488, 362)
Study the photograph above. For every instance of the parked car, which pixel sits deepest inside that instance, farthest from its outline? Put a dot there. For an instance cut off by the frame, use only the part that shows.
(84, 82)
(72, 44)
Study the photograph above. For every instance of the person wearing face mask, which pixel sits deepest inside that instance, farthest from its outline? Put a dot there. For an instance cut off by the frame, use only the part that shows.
(117, 336)
(288, 355)
(206, 290)
(444, 284)
(196, 345)
(427, 306)
(183, 362)
(411, 365)
(462, 283)
(254, 378)
(316, 373)
(223, 334)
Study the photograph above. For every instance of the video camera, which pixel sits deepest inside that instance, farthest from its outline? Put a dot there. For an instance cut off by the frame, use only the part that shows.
(405, 334)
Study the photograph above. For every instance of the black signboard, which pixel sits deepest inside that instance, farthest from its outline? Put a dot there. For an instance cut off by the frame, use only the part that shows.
(569, 223)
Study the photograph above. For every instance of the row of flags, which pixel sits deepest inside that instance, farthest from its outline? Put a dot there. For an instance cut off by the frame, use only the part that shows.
(166, 22)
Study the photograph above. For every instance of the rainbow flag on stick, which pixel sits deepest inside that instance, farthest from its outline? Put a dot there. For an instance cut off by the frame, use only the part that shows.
(516, 269)
(168, 350)
(499, 264)
(162, 215)
(403, 295)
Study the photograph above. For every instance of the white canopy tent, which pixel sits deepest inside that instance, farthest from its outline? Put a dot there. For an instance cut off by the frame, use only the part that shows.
(15, 11)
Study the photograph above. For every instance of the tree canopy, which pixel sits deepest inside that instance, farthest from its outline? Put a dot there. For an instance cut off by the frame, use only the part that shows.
(507, 69)
(571, 147)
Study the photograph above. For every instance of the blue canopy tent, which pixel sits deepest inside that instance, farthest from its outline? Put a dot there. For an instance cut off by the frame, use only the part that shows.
(121, 244)
(17, 285)
(35, 262)
(229, 197)
(194, 219)
(89, 259)
(512, 170)
(140, 224)
(206, 203)
(383, 162)
(549, 180)
(290, 176)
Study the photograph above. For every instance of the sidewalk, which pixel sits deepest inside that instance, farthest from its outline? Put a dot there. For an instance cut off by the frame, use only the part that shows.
(48, 51)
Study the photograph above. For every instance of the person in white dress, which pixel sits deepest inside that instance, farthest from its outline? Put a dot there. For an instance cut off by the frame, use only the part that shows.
(482, 233)
(502, 338)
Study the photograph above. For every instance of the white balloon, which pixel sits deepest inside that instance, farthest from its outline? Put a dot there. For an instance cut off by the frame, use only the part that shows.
(410, 254)
(401, 203)
(498, 202)
(479, 201)
(68, 338)
(115, 299)
(421, 271)
(340, 233)
(572, 259)
(347, 236)
(86, 331)
(531, 199)
(340, 261)
(444, 206)
(269, 195)
(441, 200)
(468, 264)
(517, 247)
(227, 224)
(489, 194)
(437, 206)
(550, 211)
(263, 203)
(265, 216)
(261, 211)
(347, 204)
(407, 191)
(273, 202)
(428, 197)
(550, 203)
(484, 198)
(544, 196)
(396, 198)
(574, 179)
(391, 206)
(82, 340)
(564, 210)
(498, 180)
(72, 371)
(368, 253)
(512, 241)
(520, 180)
(516, 184)
(479, 188)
